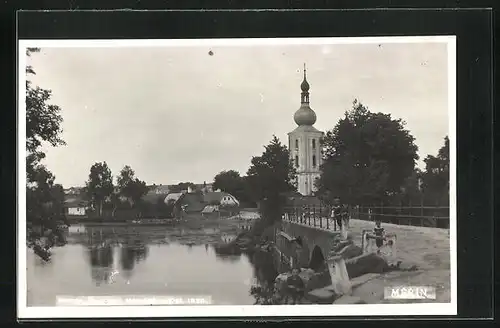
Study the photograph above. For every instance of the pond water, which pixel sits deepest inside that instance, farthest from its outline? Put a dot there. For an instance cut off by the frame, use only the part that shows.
(147, 261)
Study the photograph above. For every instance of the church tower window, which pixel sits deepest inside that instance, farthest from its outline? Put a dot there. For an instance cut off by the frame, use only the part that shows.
(296, 161)
(296, 144)
(314, 160)
(314, 143)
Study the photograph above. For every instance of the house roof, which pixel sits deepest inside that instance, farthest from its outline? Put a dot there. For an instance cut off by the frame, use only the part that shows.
(173, 196)
(194, 202)
(75, 202)
(215, 196)
(210, 209)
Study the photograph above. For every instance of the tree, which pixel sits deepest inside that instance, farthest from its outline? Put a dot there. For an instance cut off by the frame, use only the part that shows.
(269, 176)
(43, 120)
(227, 181)
(44, 199)
(231, 182)
(129, 186)
(367, 157)
(436, 178)
(99, 185)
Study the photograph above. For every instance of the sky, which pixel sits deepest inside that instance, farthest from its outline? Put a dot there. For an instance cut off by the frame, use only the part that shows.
(186, 113)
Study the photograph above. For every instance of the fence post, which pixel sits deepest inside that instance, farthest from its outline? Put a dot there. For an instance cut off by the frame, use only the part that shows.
(309, 219)
(328, 219)
(381, 216)
(314, 216)
(421, 205)
(320, 218)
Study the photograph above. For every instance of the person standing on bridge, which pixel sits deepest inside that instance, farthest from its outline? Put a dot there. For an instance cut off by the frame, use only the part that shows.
(337, 213)
(379, 233)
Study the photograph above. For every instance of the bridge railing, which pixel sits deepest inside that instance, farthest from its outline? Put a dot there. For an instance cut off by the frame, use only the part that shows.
(314, 216)
(423, 216)
(319, 216)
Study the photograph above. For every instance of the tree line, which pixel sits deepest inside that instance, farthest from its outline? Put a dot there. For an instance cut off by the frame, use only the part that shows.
(368, 157)
(101, 191)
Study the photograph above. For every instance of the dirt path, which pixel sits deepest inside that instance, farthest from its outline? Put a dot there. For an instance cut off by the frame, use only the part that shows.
(428, 248)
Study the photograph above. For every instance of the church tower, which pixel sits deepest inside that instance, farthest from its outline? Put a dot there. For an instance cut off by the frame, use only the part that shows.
(304, 144)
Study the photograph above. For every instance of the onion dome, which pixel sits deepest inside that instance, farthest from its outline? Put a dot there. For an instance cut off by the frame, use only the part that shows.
(304, 115)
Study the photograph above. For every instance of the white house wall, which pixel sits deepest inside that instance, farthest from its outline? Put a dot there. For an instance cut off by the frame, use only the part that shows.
(76, 211)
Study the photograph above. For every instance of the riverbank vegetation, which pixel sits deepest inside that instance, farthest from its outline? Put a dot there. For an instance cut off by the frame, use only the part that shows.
(44, 198)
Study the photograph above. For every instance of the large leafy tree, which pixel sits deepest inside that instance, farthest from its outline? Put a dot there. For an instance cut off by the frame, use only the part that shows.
(129, 186)
(44, 199)
(99, 186)
(436, 178)
(231, 182)
(270, 176)
(367, 157)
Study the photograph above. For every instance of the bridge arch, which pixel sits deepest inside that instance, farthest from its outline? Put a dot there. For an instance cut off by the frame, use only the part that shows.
(317, 259)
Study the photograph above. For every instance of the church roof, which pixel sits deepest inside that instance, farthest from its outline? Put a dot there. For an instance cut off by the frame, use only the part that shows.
(304, 115)
(306, 128)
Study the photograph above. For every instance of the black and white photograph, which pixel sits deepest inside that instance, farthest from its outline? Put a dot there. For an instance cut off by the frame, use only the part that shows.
(237, 177)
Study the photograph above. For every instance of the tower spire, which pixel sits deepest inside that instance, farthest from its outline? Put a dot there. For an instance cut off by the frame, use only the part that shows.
(304, 115)
(304, 86)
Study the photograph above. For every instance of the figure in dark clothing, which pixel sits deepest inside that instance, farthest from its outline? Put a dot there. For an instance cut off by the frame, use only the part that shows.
(295, 286)
(337, 213)
(344, 214)
(378, 231)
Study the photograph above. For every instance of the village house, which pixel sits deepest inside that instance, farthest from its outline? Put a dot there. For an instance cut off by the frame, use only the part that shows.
(74, 202)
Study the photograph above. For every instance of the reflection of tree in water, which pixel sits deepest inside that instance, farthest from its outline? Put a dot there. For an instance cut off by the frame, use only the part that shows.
(228, 258)
(132, 252)
(265, 273)
(101, 256)
(101, 259)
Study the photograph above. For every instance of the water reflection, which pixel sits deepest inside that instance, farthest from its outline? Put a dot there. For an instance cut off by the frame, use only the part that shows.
(112, 254)
(124, 261)
(265, 271)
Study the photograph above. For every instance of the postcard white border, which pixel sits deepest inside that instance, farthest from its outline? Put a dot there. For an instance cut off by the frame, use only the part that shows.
(423, 309)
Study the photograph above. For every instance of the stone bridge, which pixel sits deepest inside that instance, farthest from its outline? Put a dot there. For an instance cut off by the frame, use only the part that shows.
(305, 245)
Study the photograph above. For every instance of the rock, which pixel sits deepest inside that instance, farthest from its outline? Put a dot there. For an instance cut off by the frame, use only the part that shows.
(366, 263)
(321, 296)
(349, 300)
(350, 251)
(407, 267)
(318, 280)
